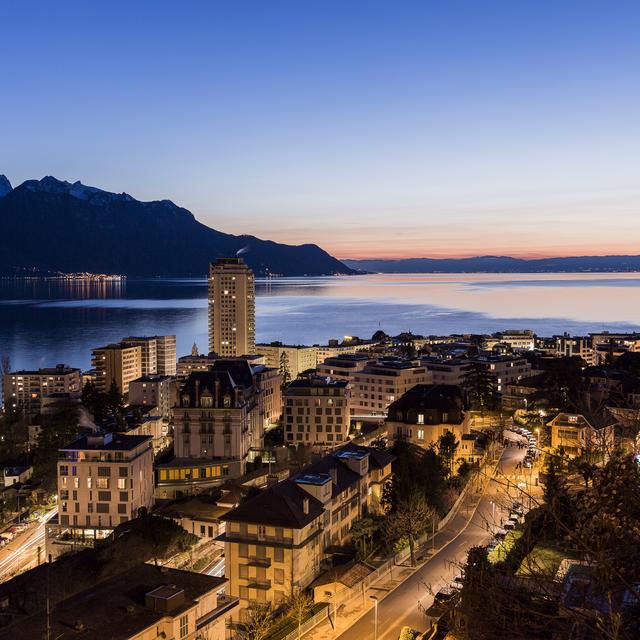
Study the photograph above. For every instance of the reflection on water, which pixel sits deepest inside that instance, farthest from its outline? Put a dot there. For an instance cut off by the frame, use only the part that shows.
(45, 322)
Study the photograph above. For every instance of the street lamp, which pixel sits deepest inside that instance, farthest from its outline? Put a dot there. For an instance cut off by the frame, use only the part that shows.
(375, 616)
(493, 511)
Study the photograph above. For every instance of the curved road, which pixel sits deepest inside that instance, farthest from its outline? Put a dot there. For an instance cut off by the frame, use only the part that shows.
(404, 605)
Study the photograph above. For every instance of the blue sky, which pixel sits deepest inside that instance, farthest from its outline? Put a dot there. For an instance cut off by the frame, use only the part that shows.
(372, 128)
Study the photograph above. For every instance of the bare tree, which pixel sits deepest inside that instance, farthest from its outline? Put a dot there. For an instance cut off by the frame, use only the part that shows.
(299, 606)
(257, 622)
(411, 517)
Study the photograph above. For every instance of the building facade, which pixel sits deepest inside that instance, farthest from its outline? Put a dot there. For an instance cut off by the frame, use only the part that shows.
(232, 315)
(152, 391)
(118, 363)
(426, 412)
(279, 541)
(296, 358)
(577, 436)
(381, 383)
(316, 412)
(25, 390)
(157, 354)
(103, 480)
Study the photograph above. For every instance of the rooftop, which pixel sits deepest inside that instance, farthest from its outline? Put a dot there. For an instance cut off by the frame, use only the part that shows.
(107, 442)
(116, 608)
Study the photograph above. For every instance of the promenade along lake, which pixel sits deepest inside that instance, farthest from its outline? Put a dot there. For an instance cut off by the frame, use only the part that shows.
(47, 322)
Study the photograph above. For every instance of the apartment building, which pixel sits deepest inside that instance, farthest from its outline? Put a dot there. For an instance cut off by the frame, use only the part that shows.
(103, 481)
(426, 412)
(517, 339)
(348, 345)
(157, 353)
(268, 381)
(382, 382)
(279, 541)
(142, 603)
(296, 358)
(216, 422)
(25, 390)
(118, 363)
(343, 367)
(607, 346)
(505, 369)
(232, 312)
(577, 436)
(193, 362)
(152, 391)
(444, 371)
(570, 346)
(316, 412)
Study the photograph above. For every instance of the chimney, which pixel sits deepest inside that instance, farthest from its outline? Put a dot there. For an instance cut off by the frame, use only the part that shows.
(197, 393)
(334, 475)
(305, 506)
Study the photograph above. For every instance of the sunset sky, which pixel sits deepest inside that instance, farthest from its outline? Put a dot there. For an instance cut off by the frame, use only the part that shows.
(375, 129)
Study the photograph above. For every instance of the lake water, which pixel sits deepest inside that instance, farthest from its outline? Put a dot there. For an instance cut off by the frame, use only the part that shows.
(44, 323)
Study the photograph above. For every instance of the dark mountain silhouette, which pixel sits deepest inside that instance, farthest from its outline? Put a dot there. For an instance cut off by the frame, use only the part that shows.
(499, 264)
(49, 225)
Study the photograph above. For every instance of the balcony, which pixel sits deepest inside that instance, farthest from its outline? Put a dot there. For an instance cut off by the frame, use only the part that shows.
(255, 561)
(264, 585)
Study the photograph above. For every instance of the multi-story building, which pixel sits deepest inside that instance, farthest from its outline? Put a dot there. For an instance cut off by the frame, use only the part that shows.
(316, 412)
(166, 354)
(279, 541)
(381, 383)
(191, 363)
(269, 383)
(25, 390)
(343, 367)
(517, 339)
(218, 418)
(153, 391)
(335, 348)
(443, 371)
(505, 369)
(426, 412)
(157, 354)
(142, 603)
(608, 346)
(232, 314)
(118, 363)
(570, 346)
(103, 480)
(577, 436)
(296, 358)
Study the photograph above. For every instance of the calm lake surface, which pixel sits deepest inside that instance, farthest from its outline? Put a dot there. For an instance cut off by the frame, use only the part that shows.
(44, 323)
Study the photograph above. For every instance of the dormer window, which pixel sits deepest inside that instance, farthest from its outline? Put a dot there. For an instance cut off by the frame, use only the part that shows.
(186, 400)
(421, 418)
(206, 401)
(226, 401)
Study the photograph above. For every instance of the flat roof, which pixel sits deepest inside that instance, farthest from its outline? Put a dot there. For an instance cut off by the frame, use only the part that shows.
(317, 479)
(119, 442)
(351, 454)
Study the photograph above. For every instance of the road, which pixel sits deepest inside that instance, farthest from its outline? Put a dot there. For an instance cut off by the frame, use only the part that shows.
(22, 553)
(403, 605)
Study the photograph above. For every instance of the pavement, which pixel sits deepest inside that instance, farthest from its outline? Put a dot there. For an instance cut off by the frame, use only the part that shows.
(22, 552)
(403, 596)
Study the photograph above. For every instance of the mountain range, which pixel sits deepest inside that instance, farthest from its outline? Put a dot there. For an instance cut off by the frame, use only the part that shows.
(51, 225)
(499, 264)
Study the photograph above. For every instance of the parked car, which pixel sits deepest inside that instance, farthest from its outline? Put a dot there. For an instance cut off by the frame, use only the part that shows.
(509, 526)
(458, 582)
(527, 463)
(445, 594)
